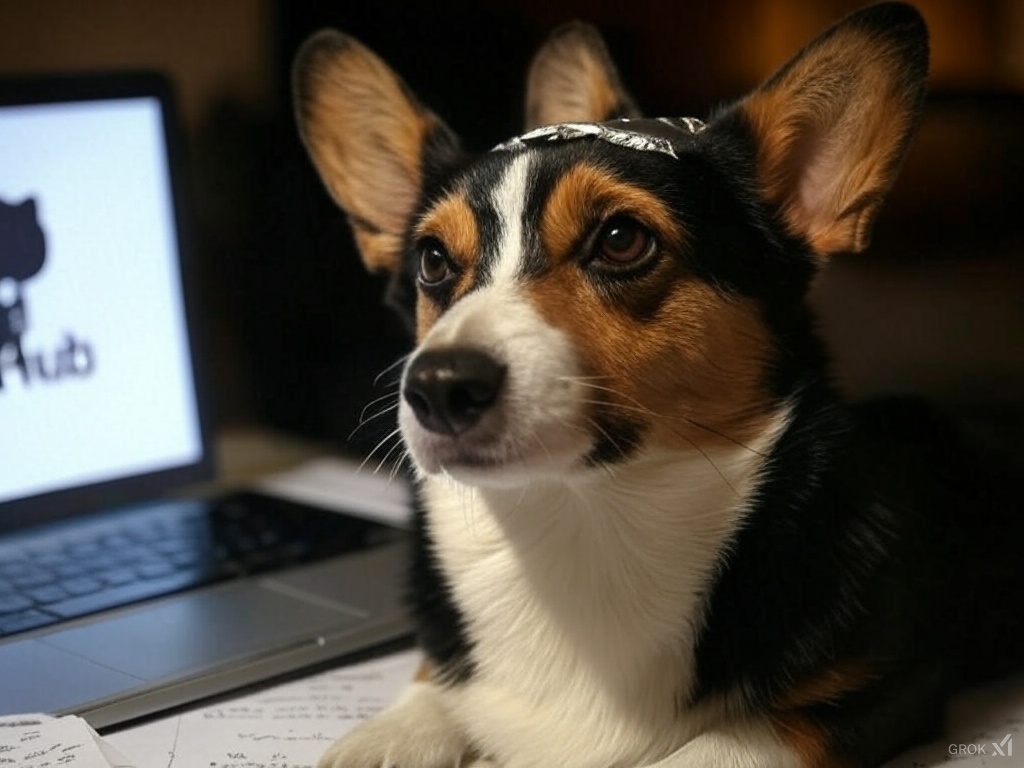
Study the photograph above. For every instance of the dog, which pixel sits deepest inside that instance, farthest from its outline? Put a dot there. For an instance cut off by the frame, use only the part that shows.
(650, 531)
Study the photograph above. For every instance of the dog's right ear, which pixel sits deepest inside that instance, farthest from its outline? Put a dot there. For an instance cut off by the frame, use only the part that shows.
(369, 139)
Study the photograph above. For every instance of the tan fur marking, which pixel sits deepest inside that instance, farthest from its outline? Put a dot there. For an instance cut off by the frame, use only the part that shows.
(830, 685)
(365, 134)
(809, 740)
(587, 195)
(424, 673)
(707, 370)
(452, 222)
(830, 140)
(427, 313)
(667, 350)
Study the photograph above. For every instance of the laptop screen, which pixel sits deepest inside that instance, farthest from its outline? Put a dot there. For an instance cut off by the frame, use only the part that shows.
(97, 386)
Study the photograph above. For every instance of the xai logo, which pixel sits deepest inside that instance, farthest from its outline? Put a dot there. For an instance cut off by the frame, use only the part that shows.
(1002, 748)
(22, 256)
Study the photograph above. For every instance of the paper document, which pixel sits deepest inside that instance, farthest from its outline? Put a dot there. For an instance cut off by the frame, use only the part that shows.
(40, 741)
(287, 726)
(291, 725)
(342, 485)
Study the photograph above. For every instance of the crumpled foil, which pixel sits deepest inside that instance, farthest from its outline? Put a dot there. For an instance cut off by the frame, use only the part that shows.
(625, 132)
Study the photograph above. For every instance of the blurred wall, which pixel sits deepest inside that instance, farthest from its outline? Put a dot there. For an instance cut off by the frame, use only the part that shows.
(297, 329)
(210, 49)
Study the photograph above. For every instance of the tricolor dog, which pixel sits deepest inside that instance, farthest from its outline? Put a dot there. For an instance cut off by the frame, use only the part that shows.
(651, 532)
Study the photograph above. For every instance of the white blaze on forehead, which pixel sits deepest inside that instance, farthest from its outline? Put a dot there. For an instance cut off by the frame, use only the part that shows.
(509, 200)
(530, 436)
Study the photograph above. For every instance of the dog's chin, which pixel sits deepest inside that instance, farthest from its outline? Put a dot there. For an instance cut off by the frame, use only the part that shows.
(497, 458)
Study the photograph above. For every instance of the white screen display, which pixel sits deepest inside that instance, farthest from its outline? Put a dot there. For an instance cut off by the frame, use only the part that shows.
(95, 372)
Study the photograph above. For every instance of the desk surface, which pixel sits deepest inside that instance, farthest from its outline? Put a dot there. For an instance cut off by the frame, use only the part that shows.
(291, 724)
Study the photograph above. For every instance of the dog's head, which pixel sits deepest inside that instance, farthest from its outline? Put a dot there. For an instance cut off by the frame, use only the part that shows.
(614, 286)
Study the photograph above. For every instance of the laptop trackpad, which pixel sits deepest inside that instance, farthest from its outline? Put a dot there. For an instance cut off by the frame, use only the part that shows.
(201, 631)
(37, 678)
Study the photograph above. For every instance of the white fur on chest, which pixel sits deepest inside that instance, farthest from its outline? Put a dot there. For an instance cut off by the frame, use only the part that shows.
(583, 600)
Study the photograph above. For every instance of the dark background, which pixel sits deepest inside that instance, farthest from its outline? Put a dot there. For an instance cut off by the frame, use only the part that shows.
(295, 329)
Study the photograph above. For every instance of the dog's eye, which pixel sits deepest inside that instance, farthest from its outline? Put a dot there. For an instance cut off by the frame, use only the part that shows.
(435, 263)
(623, 241)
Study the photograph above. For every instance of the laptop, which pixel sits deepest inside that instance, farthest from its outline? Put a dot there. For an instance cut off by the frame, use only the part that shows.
(119, 597)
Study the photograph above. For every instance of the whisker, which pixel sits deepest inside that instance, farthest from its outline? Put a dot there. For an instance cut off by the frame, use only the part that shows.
(363, 422)
(394, 433)
(522, 492)
(622, 407)
(581, 378)
(376, 400)
(709, 460)
(543, 447)
(400, 361)
(387, 455)
(404, 457)
(390, 409)
(724, 436)
(641, 408)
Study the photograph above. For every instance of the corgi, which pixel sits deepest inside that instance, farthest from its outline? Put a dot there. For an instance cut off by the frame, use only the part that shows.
(650, 531)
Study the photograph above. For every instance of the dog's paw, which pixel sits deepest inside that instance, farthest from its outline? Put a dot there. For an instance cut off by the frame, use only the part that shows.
(415, 733)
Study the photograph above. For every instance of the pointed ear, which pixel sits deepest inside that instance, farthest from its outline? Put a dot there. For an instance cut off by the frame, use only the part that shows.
(369, 139)
(573, 80)
(833, 125)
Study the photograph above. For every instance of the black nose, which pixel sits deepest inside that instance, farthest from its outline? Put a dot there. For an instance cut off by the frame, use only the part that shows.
(450, 389)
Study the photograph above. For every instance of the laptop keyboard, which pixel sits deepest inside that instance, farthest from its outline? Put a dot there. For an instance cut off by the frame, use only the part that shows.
(128, 557)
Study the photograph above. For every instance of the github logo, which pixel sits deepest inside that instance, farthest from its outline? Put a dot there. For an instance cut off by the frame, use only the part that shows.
(22, 258)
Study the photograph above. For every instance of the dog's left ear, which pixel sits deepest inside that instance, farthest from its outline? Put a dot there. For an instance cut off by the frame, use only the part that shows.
(572, 79)
(833, 125)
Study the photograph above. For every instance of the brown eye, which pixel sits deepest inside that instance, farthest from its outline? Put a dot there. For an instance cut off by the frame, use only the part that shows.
(435, 263)
(623, 241)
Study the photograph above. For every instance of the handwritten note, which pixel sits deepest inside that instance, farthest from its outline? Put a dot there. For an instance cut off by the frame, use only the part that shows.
(290, 725)
(46, 742)
(287, 726)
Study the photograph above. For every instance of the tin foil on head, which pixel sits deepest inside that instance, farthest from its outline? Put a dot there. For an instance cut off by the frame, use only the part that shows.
(643, 135)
